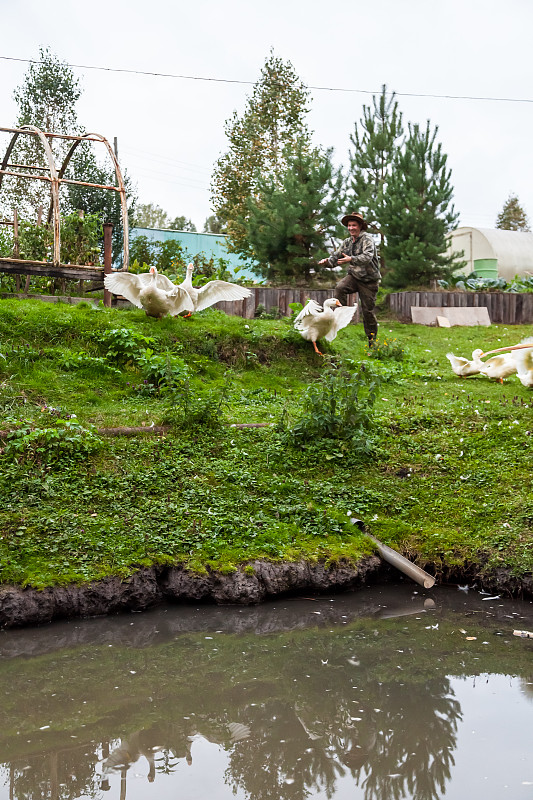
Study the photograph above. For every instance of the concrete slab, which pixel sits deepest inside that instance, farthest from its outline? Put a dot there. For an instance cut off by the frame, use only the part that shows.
(457, 315)
(443, 322)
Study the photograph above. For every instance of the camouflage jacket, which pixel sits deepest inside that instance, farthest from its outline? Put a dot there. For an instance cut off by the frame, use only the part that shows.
(364, 261)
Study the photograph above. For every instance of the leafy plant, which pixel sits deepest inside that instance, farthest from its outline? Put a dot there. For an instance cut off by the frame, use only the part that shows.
(192, 409)
(162, 371)
(122, 345)
(23, 353)
(337, 407)
(80, 361)
(61, 438)
(80, 239)
(35, 241)
(476, 283)
(262, 313)
(386, 349)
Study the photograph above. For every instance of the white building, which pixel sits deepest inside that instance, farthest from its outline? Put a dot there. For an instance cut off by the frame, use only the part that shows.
(493, 253)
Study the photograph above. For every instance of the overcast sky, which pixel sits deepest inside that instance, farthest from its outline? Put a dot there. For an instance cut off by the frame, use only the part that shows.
(170, 130)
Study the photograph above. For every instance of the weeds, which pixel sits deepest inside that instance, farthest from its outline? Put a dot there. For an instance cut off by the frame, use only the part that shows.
(60, 440)
(336, 407)
(122, 345)
(386, 349)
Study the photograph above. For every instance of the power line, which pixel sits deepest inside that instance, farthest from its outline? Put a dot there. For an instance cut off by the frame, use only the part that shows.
(252, 83)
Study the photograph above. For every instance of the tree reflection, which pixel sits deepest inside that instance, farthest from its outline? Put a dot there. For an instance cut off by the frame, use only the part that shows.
(403, 750)
(295, 712)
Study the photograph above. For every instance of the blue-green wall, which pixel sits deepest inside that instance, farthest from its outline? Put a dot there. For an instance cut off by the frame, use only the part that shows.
(212, 244)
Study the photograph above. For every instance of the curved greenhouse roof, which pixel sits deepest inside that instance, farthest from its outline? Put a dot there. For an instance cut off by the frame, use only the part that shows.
(494, 252)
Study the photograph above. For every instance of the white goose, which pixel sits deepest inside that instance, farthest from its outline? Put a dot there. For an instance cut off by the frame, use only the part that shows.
(522, 355)
(151, 291)
(317, 322)
(499, 367)
(463, 367)
(212, 292)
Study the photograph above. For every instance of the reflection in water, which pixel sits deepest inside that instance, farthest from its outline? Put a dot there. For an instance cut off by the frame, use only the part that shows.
(353, 688)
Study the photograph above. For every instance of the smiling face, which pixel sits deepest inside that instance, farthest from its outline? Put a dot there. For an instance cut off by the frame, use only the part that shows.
(354, 228)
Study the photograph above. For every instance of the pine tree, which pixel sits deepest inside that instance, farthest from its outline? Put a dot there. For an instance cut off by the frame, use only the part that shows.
(289, 218)
(512, 217)
(417, 212)
(274, 119)
(376, 140)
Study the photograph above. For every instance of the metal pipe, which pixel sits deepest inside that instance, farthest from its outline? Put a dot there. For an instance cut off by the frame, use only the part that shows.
(507, 349)
(108, 259)
(398, 561)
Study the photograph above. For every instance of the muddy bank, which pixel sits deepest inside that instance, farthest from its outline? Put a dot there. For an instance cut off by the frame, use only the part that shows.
(148, 587)
(259, 581)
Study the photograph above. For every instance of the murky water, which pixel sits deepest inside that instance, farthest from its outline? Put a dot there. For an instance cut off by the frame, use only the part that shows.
(385, 693)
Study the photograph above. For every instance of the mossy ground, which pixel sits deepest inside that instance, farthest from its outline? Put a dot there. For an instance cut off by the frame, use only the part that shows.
(448, 480)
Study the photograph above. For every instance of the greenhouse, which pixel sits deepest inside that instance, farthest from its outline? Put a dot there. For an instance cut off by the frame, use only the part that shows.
(493, 253)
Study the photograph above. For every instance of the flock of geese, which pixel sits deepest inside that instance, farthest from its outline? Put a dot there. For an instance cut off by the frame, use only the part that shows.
(516, 360)
(158, 296)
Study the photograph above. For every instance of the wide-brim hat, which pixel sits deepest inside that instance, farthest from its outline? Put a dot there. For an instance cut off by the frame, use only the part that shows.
(356, 217)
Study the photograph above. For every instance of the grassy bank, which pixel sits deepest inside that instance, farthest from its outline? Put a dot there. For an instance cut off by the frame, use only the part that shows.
(439, 467)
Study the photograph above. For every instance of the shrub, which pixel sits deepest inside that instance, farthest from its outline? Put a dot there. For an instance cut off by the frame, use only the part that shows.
(60, 439)
(337, 407)
(80, 239)
(192, 409)
(122, 345)
(161, 372)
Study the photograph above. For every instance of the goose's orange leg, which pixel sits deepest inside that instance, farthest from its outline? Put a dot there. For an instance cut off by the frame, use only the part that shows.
(317, 350)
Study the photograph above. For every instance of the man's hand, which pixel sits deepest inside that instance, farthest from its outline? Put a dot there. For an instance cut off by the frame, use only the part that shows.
(323, 261)
(343, 259)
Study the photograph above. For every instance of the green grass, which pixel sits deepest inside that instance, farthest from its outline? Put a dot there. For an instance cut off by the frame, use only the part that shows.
(447, 479)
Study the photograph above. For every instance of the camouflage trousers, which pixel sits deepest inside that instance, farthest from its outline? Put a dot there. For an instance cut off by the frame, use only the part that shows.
(367, 296)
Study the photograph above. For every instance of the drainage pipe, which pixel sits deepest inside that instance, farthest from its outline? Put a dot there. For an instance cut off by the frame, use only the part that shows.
(398, 561)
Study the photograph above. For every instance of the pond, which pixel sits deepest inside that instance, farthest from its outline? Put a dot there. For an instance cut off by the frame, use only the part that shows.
(387, 692)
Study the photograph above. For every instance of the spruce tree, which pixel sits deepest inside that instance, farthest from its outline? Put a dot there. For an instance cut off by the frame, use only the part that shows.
(417, 212)
(376, 140)
(290, 217)
(273, 121)
(512, 217)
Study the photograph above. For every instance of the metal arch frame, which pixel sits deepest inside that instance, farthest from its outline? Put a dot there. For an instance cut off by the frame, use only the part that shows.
(56, 178)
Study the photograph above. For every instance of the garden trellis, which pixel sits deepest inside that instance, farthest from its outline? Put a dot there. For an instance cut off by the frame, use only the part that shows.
(55, 177)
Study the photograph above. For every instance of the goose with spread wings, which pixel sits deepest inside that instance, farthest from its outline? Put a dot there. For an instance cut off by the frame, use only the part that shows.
(150, 290)
(323, 322)
(212, 292)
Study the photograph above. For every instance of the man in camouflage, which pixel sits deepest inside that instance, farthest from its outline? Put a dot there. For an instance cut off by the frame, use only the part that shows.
(359, 253)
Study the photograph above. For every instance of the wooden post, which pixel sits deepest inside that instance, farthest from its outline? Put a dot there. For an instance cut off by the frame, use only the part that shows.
(81, 215)
(108, 258)
(16, 248)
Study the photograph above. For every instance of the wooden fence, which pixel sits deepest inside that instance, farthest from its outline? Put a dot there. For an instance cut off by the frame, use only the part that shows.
(503, 307)
(271, 298)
